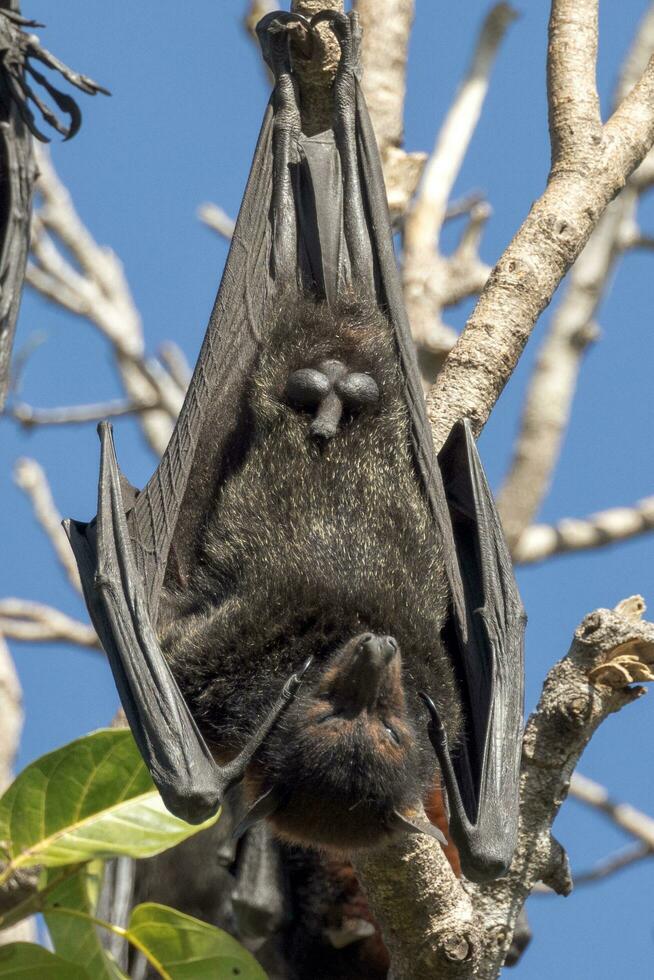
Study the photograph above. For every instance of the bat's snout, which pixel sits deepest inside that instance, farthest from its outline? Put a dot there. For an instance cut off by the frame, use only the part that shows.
(369, 666)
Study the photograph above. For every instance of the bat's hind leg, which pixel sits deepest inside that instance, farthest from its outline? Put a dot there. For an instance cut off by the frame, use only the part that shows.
(357, 233)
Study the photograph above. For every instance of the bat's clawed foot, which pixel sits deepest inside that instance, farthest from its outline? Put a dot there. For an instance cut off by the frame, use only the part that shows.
(19, 50)
(328, 391)
(234, 771)
(348, 33)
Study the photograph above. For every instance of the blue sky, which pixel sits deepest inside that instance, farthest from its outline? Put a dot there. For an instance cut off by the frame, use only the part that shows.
(179, 130)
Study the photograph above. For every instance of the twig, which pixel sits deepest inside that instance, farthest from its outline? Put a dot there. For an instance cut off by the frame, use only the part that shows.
(33, 622)
(91, 284)
(174, 360)
(548, 404)
(11, 724)
(431, 281)
(11, 714)
(612, 864)
(217, 219)
(589, 167)
(256, 9)
(542, 541)
(32, 480)
(627, 817)
(30, 417)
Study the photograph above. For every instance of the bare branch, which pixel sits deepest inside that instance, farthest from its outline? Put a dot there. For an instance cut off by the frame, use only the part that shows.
(174, 360)
(33, 622)
(432, 282)
(256, 9)
(424, 224)
(574, 110)
(32, 480)
(11, 724)
(427, 919)
(11, 714)
(218, 220)
(579, 693)
(386, 28)
(30, 417)
(612, 864)
(587, 173)
(543, 541)
(434, 926)
(624, 816)
(316, 74)
(386, 31)
(548, 404)
(72, 270)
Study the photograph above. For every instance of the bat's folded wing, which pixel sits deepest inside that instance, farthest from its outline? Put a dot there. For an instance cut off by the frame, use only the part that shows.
(166, 734)
(481, 773)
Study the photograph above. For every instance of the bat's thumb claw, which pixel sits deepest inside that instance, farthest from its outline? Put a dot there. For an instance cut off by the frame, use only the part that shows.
(294, 681)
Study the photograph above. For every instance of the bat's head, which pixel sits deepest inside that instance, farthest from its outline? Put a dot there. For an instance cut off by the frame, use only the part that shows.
(342, 767)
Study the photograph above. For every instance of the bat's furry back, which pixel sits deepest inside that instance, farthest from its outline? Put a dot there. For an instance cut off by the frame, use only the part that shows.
(309, 543)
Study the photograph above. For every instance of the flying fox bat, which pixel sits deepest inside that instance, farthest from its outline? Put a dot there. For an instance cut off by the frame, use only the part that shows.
(301, 569)
(18, 52)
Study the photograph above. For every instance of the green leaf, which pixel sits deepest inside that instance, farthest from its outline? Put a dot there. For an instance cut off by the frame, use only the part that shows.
(23, 961)
(75, 937)
(183, 948)
(91, 799)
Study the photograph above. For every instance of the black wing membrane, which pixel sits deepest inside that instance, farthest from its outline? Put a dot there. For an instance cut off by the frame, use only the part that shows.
(481, 774)
(17, 177)
(122, 554)
(314, 217)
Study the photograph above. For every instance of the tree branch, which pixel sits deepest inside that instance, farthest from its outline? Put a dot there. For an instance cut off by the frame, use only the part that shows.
(410, 882)
(218, 220)
(624, 816)
(92, 284)
(543, 541)
(548, 403)
(611, 649)
(431, 281)
(589, 167)
(30, 477)
(386, 28)
(33, 622)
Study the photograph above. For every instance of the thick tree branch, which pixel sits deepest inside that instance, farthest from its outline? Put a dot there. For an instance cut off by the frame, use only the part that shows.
(316, 74)
(543, 541)
(386, 28)
(549, 398)
(611, 649)
(590, 167)
(468, 931)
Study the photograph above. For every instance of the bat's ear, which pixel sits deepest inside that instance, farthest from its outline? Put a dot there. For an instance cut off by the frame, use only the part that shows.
(264, 807)
(403, 824)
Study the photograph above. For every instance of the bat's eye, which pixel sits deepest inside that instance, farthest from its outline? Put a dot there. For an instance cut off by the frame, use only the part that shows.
(392, 734)
(326, 717)
(307, 387)
(358, 389)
